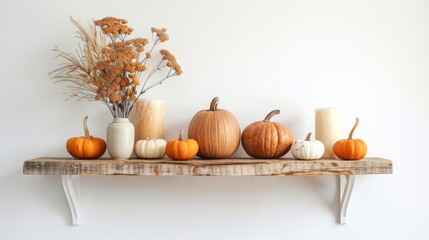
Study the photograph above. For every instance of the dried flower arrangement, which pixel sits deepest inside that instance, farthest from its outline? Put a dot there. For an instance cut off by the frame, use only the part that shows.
(108, 66)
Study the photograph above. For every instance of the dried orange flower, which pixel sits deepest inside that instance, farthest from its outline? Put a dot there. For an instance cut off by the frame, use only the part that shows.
(111, 70)
(160, 33)
(136, 81)
(171, 61)
(114, 26)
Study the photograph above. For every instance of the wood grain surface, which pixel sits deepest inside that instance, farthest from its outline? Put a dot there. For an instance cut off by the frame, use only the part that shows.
(201, 167)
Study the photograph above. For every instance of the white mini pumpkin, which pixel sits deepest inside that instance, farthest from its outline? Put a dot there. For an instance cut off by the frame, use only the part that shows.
(307, 149)
(150, 148)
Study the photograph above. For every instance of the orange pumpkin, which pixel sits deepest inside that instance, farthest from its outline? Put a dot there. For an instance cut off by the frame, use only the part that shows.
(216, 130)
(265, 139)
(350, 149)
(87, 147)
(181, 149)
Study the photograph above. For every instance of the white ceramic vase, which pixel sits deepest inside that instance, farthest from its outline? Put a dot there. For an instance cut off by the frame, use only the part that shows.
(120, 138)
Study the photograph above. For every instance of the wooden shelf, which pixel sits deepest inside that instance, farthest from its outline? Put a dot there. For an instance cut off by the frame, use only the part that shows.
(71, 170)
(199, 167)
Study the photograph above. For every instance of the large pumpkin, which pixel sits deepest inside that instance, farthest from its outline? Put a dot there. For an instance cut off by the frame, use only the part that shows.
(265, 139)
(87, 147)
(350, 149)
(216, 130)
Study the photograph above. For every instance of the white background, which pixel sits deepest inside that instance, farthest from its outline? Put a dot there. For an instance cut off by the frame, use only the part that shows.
(370, 58)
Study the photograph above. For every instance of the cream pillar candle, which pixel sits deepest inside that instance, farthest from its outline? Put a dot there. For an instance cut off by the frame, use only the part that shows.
(147, 116)
(328, 129)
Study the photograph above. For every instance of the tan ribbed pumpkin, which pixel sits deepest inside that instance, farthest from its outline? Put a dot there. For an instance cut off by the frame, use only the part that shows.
(265, 139)
(216, 130)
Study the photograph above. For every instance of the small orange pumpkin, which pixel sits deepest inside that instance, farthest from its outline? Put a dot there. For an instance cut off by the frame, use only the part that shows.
(181, 149)
(350, 149)
(87, 147)
(265, 139)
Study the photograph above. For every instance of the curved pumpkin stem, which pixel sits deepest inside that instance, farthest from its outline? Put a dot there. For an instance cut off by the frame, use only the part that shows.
(353, 129)
(308, 137)
(271, 114)
(181, 135)
(213, 104)
(85, 126)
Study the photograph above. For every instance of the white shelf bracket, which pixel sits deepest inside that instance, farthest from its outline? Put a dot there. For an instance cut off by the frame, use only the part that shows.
(71, 184)
(346, 188)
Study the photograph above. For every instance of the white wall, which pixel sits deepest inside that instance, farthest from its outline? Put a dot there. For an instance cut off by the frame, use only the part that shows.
(368, 57)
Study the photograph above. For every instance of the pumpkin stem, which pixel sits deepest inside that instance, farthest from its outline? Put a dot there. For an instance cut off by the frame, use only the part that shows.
(213, 104)
(85, 126)
(181, 135)
(353, 129)
(271, 114)
(308, 137)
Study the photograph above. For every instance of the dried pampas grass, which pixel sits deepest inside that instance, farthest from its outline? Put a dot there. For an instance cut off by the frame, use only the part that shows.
(78, 68)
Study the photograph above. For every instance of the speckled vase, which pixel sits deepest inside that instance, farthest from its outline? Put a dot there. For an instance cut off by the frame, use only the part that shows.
(120, 139)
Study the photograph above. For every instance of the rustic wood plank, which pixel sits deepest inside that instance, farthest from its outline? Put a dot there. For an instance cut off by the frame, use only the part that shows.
(199, 167)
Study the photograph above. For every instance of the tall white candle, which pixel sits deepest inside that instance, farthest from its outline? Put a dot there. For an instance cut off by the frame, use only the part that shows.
(147, 116)
(328, 129)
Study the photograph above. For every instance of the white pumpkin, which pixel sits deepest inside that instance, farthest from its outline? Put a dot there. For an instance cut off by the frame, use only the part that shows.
(150, 148)
(307, 149)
